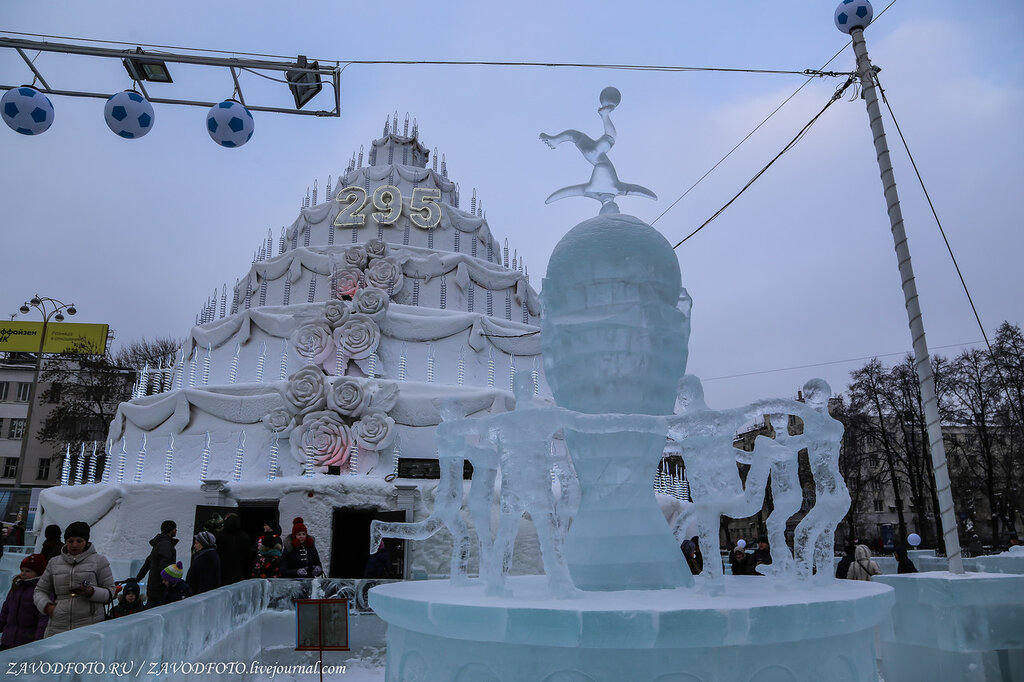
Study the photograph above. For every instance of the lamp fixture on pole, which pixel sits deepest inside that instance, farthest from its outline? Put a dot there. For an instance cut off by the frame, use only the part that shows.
(48, 308)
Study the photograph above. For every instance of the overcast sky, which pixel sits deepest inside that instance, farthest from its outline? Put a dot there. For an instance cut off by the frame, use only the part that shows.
(799, 271)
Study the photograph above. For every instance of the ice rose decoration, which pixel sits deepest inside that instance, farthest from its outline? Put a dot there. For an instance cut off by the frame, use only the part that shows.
(306, 390)
(349, 397)
(355, 257)
(376, 248)
(385, 273)
(324, 436)
(311, 339)
(337, 313)
(280, 421)
(346, 282)
(375, 431)
(357, 338)
(372, 302)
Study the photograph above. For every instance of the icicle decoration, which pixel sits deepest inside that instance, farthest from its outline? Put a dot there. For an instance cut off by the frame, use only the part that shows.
(327, 193)
(360, 157)
(435, 159)
(239, 457)
(444, 292)
(461, 369)
(472, 203)
(536, 374)
(123, 461)
(65, 470)
(284, 360)
(430, 363)
(261, 362)
(396, 456)
(490, 303)
(504, 260)
(457, 240)
(470, 295)
(179, 370)
(508, 305)
(353, 460)
(286, 297)
(233, 370)
(340, 361)
(309, 461)
(312, 287)
(315, 189)
(526, 311)
(371, 366)
(416, 292)
(206, 364)
(169, 458)
(263, 291)
(272, 460)
(280, 243)
(140, 461)
(402, 360)
(204, 459)
(234, 298)
(90, 476)
(511, 372)
(490, 366)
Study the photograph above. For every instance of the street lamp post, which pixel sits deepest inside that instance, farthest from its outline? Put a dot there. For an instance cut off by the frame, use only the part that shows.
(48, 308)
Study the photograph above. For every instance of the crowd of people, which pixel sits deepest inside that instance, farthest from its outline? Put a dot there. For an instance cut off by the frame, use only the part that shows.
(69, 585)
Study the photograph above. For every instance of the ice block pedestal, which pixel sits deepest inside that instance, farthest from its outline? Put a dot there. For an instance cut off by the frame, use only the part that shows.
(754, 631)
(954, 627)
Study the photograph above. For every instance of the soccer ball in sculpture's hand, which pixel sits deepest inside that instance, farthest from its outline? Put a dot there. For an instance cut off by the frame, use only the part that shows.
(229, 123)
(128, 114)
(27, 111)
(853, 14)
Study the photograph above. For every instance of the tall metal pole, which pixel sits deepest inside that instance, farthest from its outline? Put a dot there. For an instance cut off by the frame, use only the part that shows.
(926, 377)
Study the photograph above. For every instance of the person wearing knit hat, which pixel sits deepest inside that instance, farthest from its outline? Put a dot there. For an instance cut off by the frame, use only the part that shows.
(20, 620)
(204, 572)
(302, 559)
(163, 553)
(175, 588)
(129, 602)
(75, 585)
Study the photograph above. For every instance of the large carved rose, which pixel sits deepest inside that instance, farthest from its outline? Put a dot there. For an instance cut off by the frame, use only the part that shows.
(336, 312)
(372, 302)
(346, 282)
(324, 436)
(385, 273)
(376, 248)
(306, 390)
(375, 431)
(357, 338)
(280, 421)
(349, 397)
(311, 339)
(355, 257)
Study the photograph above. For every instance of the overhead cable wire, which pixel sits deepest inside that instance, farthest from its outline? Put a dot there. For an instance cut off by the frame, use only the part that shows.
(792, 143)
(766, 119)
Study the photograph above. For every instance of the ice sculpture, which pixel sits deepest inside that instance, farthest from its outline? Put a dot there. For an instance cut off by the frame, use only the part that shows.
(604, 184)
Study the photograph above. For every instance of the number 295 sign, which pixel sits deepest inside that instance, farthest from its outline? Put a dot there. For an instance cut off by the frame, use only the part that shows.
(423, 210)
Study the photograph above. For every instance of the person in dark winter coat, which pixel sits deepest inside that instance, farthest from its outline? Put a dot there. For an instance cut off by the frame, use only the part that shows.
(20, 620)
(52, 544)
(268, 559)
(903, 562)
(129, 602)
(235, 550)
(175, 588)
(843, 567)
(690, 554)
(204, 573)
(301, 560)
(163, 554)
(739, 561)
(76, 585)
(761, 556)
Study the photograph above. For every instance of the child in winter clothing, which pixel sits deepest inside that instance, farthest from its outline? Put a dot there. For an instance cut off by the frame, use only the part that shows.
(129, 602)
(75, 585)
(20, 620)
(175, 588)
(268, 561)
(302, 560)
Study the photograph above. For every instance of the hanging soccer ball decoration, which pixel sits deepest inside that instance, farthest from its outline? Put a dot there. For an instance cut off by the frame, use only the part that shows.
(229, 123)
(853, 14)
(128, 114)
(27, 111)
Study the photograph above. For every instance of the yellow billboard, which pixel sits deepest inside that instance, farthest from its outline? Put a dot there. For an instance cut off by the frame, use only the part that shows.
(17, 336)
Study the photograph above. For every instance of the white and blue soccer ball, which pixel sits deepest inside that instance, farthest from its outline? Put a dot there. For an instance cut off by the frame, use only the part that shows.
(128, 114)
(229, 123)
(853, 14)
(27, 111)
